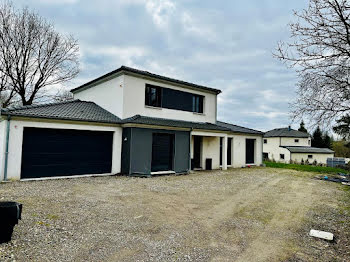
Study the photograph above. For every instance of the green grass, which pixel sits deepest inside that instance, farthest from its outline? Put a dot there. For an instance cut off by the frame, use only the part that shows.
(307, 168)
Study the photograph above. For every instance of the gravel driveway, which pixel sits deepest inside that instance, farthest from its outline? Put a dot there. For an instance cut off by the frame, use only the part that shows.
(257, 214)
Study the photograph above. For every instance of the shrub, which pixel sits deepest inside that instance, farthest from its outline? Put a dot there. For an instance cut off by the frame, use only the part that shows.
(302, 161)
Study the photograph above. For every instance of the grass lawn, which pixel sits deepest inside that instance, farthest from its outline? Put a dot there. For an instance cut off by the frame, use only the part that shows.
(246, 214)
(307, 168)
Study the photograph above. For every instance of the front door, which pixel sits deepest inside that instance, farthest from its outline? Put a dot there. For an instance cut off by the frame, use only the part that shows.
(249, 151)
(162, 152)
(197, 142)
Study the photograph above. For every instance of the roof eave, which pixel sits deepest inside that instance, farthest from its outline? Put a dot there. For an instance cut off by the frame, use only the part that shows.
(121, 70)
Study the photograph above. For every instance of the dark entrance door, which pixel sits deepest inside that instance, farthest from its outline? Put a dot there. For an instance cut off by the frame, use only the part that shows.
(62, 152)
(162, 152)
(229, 151)
(249, 152)
(197, 143)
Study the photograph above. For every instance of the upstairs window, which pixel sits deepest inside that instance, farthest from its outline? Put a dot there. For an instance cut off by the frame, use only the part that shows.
(296, 140)
(153, 96)
(197, 104)
(169, 98)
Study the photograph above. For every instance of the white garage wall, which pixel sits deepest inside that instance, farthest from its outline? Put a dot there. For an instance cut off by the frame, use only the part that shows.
(16, 140)
(239, 145)
(320, 158)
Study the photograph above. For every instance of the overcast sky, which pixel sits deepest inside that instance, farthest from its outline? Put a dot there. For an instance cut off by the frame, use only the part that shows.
(221, 44)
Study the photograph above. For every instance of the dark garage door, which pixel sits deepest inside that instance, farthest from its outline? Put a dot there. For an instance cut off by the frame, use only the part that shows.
(162, 152)
(62, 152)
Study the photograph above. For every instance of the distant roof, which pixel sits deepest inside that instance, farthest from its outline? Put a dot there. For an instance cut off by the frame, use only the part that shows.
(148, 74)
(145, 120)
(286, 132)
(71, 110)
(239, 129)
(307, 149)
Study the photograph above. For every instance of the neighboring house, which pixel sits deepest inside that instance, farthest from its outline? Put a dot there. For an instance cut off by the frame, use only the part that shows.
(288, 145)
(128, 121)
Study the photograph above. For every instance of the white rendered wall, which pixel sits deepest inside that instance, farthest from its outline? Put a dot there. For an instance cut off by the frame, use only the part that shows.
(16, 140)
(239, 150)
(3, 125)
(108, 95)
(134, 102)
(211, 148)
(320, 158)
(290, 141)
(274, 150)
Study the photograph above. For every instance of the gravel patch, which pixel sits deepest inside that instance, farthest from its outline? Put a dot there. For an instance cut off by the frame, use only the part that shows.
(256, 214)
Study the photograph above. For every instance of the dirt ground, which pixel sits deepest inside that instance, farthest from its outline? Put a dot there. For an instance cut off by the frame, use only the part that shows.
(257, 214)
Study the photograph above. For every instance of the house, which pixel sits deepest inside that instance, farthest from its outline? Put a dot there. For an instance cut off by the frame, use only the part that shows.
(288, 145)
(128, 121)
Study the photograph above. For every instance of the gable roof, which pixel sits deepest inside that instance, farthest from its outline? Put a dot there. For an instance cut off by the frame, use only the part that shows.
(125, 69)
(239, 129)
(71, 110)
(286, 132)
(145, 120)
(308, 149)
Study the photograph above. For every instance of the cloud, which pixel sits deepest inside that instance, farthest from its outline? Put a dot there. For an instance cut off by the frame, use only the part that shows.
(161, 11)
(204, 43)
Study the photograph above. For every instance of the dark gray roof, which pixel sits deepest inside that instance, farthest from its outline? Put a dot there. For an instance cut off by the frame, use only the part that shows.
(239, 129)
(286, 132)
(307, 149)
(138, 119)
(146, 73)
(70, 110)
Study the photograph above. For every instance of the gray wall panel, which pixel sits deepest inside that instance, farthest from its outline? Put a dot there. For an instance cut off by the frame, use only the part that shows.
(140, 153)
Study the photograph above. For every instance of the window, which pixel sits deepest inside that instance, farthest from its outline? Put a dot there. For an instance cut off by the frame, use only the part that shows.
(153, 96)
(265, 141)
(309, 156)
(309, 142)
(265, 156)
(296, 140)
(197, 104)
(157, 96)
(282, 156)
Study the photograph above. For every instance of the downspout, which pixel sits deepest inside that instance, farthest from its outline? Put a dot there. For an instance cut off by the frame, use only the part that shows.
(7, 147)
(189, 164)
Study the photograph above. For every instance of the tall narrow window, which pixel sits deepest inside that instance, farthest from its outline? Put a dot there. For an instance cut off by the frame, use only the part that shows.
(153, 96)
(197, 103)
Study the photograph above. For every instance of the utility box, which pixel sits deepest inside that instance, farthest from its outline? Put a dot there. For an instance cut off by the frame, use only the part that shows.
(208, 164)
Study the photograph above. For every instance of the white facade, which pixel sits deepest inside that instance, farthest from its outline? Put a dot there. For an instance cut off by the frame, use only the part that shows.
(211, 149)
(275, 149)
(16, 140)
(124, 96)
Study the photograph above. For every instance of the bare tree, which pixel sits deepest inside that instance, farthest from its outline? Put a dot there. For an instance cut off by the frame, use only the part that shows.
(319, 51)
(33, 56)
(63, 95)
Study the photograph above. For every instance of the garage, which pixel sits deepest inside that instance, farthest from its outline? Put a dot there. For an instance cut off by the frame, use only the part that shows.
(65, 152)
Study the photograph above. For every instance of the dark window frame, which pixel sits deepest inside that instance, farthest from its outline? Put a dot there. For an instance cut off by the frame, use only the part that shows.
(309, 156)
(296, 140)
(282, 156)
(148, 96)
(265, 141)
(195, 102)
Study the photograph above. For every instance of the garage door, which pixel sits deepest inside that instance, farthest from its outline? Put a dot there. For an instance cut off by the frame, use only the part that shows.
(62, 152)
